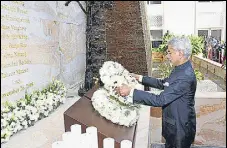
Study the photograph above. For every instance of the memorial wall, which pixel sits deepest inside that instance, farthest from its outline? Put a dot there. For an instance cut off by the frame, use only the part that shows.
(41, 40)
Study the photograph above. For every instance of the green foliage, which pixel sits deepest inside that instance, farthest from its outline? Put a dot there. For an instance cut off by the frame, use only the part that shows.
(9, 106)
(155, 50)
(27, 98)
(165, 70)
(167, 37)
(163, 47)
(199, 75)
(197, 43)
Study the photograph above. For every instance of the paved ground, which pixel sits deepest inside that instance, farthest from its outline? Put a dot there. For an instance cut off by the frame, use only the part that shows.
(44, 132)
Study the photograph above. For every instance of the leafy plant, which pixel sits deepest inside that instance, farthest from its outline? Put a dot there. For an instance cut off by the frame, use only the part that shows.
(156, 50)
(168, 36)
(199, 75)
(163, 47)
(165, 69)
(197, 43)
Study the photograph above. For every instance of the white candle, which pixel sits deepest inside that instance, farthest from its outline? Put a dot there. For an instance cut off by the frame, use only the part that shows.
(108, 143)
(68, 138)
(58, 144)
(76, 129)
(93, 135)
(126, 144)
(84, 141)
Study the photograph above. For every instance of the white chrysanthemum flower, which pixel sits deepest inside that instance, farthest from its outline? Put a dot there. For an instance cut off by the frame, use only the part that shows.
(111, 110)
(108, 103)
(46, 113)
(4, 123)
(24, 123)
(5, 109)
(17, 116)
(6, 133)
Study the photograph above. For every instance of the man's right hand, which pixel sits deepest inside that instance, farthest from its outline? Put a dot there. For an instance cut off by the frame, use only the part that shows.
(135, 76)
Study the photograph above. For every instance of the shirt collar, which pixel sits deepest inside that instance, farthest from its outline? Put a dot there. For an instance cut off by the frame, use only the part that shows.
(184, 65)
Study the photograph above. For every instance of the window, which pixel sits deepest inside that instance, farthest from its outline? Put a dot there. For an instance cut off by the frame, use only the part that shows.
(216, 34)
(155, 44)
(153, 2)
(156, 20)
(203, 33)
(156, 34)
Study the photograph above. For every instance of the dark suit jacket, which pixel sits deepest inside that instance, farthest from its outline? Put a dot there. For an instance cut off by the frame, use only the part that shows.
(177, 102)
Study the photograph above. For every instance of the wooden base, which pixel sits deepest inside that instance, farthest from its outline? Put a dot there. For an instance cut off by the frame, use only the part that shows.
(83, 113)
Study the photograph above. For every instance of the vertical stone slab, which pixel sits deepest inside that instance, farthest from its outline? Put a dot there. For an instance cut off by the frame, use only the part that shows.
(125, 36)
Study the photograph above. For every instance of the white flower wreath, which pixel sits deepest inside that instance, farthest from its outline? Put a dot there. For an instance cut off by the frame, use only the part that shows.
(111, 105)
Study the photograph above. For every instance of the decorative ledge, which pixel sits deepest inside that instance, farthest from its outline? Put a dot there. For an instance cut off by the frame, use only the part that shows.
(210, 65)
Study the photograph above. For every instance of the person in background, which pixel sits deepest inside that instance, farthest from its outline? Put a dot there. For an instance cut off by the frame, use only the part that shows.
(177, 98)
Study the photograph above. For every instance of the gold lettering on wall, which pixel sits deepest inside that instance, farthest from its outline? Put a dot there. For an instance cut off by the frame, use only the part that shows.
(20, 54)
(7, 74)
(14, 36)
(14, 55)
(19, 2)
(16, 19)
(16, 46)
(17, 90)
(19, 45)
(13, 27)
(18, 28)
(5, 27)
(13, 63)
(13, 9)
(23, 62)
(16, 72)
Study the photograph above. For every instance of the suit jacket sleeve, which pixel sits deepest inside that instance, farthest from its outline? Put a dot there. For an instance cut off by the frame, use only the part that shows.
(153, 82)
(174, 91)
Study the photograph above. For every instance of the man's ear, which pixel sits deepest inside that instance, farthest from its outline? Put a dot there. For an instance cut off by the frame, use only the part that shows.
(181, 54)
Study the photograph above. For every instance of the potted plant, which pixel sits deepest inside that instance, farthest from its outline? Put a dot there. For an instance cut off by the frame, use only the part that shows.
(158, 53)
(197, 43)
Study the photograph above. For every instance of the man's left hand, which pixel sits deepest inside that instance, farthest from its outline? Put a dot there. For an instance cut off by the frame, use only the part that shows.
(123, 90)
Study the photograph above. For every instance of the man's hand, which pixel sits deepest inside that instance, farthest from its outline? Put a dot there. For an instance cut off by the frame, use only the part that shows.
(123, 90)
(135, 76)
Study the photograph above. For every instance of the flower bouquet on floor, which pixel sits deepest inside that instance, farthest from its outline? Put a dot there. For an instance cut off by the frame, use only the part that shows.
(111, 105)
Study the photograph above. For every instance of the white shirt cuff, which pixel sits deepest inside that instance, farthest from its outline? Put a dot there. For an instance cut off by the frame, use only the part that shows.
(131, 96)
(140, 78)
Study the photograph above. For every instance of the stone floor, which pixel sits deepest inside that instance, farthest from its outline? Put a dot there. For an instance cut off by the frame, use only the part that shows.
(205, 139)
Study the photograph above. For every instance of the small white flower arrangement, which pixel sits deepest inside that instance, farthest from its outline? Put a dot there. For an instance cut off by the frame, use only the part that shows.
(111, 105)
(26, 111)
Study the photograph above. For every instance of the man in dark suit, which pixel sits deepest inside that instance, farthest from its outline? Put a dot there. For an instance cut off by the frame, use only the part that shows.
(177, 100)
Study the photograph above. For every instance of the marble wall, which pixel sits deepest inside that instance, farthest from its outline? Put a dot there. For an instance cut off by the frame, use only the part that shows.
(41, 40)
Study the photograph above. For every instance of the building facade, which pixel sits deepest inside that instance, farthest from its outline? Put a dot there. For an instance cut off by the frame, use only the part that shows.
(203, 18)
